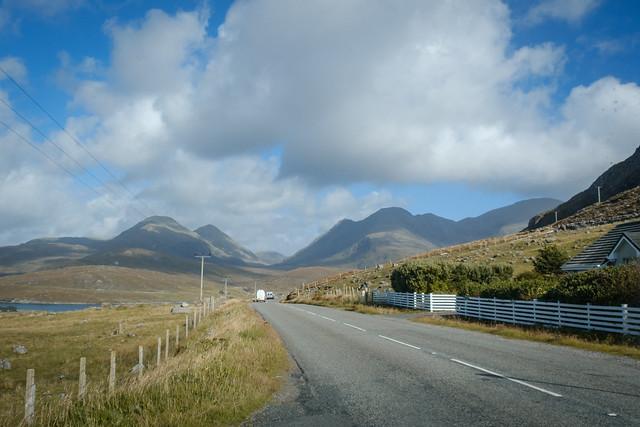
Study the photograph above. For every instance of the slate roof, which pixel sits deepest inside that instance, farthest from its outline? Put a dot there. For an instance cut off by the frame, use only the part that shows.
(633, 237)
(595, 255)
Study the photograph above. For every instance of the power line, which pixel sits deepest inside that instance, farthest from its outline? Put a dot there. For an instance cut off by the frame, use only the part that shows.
(74, 139)
(51, 159)
(76, 162)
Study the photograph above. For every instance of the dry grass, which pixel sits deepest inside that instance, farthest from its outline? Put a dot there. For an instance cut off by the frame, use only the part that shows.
(592, 341)
(227, 369)
(99, 284)
(345, 303)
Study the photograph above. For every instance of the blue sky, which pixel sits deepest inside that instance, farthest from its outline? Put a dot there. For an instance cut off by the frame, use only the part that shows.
(292, 118)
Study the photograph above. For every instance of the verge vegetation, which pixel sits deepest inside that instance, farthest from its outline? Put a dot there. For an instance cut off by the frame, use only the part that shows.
(229, 367)
(616, 344)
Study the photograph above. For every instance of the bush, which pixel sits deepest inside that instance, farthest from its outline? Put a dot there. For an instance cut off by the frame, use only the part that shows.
(606, 286)
(443, 277)
(549, 260)
(519, 289)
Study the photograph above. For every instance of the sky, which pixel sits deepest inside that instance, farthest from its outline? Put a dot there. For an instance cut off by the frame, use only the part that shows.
(273, 120)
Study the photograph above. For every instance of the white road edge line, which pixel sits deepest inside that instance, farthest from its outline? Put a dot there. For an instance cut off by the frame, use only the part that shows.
(550, 393)
(399, 342)
(328, 318)
(354, 327)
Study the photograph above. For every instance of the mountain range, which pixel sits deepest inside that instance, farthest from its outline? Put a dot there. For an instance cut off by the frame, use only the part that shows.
(394, 233)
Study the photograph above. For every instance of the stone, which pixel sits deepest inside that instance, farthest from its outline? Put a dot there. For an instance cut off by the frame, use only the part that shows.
(5, 364)
(20, 349)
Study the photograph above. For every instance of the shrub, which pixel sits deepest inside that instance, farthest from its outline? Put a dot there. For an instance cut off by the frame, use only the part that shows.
(443, 277)
(606, 286)
(518, 289)
(549, 260)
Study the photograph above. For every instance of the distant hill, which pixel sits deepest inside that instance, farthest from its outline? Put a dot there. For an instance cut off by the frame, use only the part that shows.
(270, 257)
(617, 179)
(224, 246)
(157, 243)
(393, 233)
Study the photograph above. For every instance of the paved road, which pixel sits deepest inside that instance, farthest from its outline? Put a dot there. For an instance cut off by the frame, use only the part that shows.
(356, 369)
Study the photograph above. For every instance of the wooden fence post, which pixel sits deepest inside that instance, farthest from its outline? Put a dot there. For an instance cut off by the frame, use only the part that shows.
(82, 380)
(166, 346)
(177, 336)
(112, 372)
(588, 315)
(625, 317)
(120, 328)
(186, 327)
(140, 361)
(159, 354)
(30, 398)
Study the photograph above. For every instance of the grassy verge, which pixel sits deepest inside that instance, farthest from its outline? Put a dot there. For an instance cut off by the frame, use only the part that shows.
(345, 303)
(229, 367)
(593, 341)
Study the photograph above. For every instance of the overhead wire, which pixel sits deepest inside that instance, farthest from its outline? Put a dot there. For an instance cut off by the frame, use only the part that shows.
(74, 139)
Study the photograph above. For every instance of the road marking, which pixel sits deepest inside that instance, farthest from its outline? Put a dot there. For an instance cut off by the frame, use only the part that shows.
(354, 327)
(399, 342)
(311, 312)
(328, 318)
(550, 393)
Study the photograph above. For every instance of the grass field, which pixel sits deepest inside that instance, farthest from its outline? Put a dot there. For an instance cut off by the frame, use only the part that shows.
(229, 367)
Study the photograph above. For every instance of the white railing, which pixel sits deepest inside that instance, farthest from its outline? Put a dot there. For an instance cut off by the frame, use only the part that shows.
(430, 302)
(620, 319)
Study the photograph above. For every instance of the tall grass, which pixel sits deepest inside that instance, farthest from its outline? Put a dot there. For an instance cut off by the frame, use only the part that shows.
(229, 368)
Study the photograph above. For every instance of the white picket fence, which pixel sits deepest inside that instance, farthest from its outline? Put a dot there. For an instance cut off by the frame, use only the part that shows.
(621, 319)
(430, 302)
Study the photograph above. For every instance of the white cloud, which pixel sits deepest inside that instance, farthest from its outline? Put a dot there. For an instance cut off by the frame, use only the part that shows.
(349, 92)
(572, 11)
(47, 8)
(15, 67)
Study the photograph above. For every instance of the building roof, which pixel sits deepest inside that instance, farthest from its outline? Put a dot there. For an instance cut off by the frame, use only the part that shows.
(595, 255)
(633, 237)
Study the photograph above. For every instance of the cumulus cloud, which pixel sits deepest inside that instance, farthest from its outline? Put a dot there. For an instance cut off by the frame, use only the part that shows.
(345, 92)
(571, 11)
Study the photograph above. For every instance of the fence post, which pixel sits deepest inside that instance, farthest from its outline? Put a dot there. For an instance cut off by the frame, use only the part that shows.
(186, 327)
(30, 397)
(495, 310)
(625, 316)
(177, 336)
(430, 302)
(120, 328)
(112, 372)
(82, 380)
(588, 315)
(559, 316)
(415, 300)
(159, 354)
(213, 304)
(140, 361)
(535, 320)
(166, 345)
(513, 311)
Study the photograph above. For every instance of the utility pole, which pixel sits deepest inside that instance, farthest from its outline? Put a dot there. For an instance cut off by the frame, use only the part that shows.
(202, 257)
(556, 216)
(225, 288)
(255, 289)
(599, 187)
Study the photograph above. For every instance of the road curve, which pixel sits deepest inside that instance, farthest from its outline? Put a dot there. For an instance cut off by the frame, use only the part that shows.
(356, 369)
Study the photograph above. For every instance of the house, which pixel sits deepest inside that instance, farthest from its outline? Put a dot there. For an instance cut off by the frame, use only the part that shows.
(619, 246)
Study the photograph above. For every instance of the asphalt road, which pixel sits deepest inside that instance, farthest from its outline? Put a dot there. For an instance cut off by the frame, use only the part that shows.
(355, 369)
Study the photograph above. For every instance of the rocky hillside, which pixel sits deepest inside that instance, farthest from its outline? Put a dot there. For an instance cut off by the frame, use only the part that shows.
(621, 207)
(617, 179)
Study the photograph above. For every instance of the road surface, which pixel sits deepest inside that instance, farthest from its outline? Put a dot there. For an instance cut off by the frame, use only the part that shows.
(356, 369)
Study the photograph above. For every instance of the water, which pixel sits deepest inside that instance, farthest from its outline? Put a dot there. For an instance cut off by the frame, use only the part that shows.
(52, 308)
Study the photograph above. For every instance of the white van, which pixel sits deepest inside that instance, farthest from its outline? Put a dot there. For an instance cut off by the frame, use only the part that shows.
(260, 296)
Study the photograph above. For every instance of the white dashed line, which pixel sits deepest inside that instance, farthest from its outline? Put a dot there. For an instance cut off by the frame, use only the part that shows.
(354, 327)
(399, 342)
(328, 318)
(550, 393)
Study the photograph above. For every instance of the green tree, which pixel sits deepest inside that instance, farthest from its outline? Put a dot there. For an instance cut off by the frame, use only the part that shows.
(549, 260)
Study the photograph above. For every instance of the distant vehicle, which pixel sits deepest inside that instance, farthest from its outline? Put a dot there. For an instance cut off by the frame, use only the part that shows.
(261, 296)
(269, 295)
